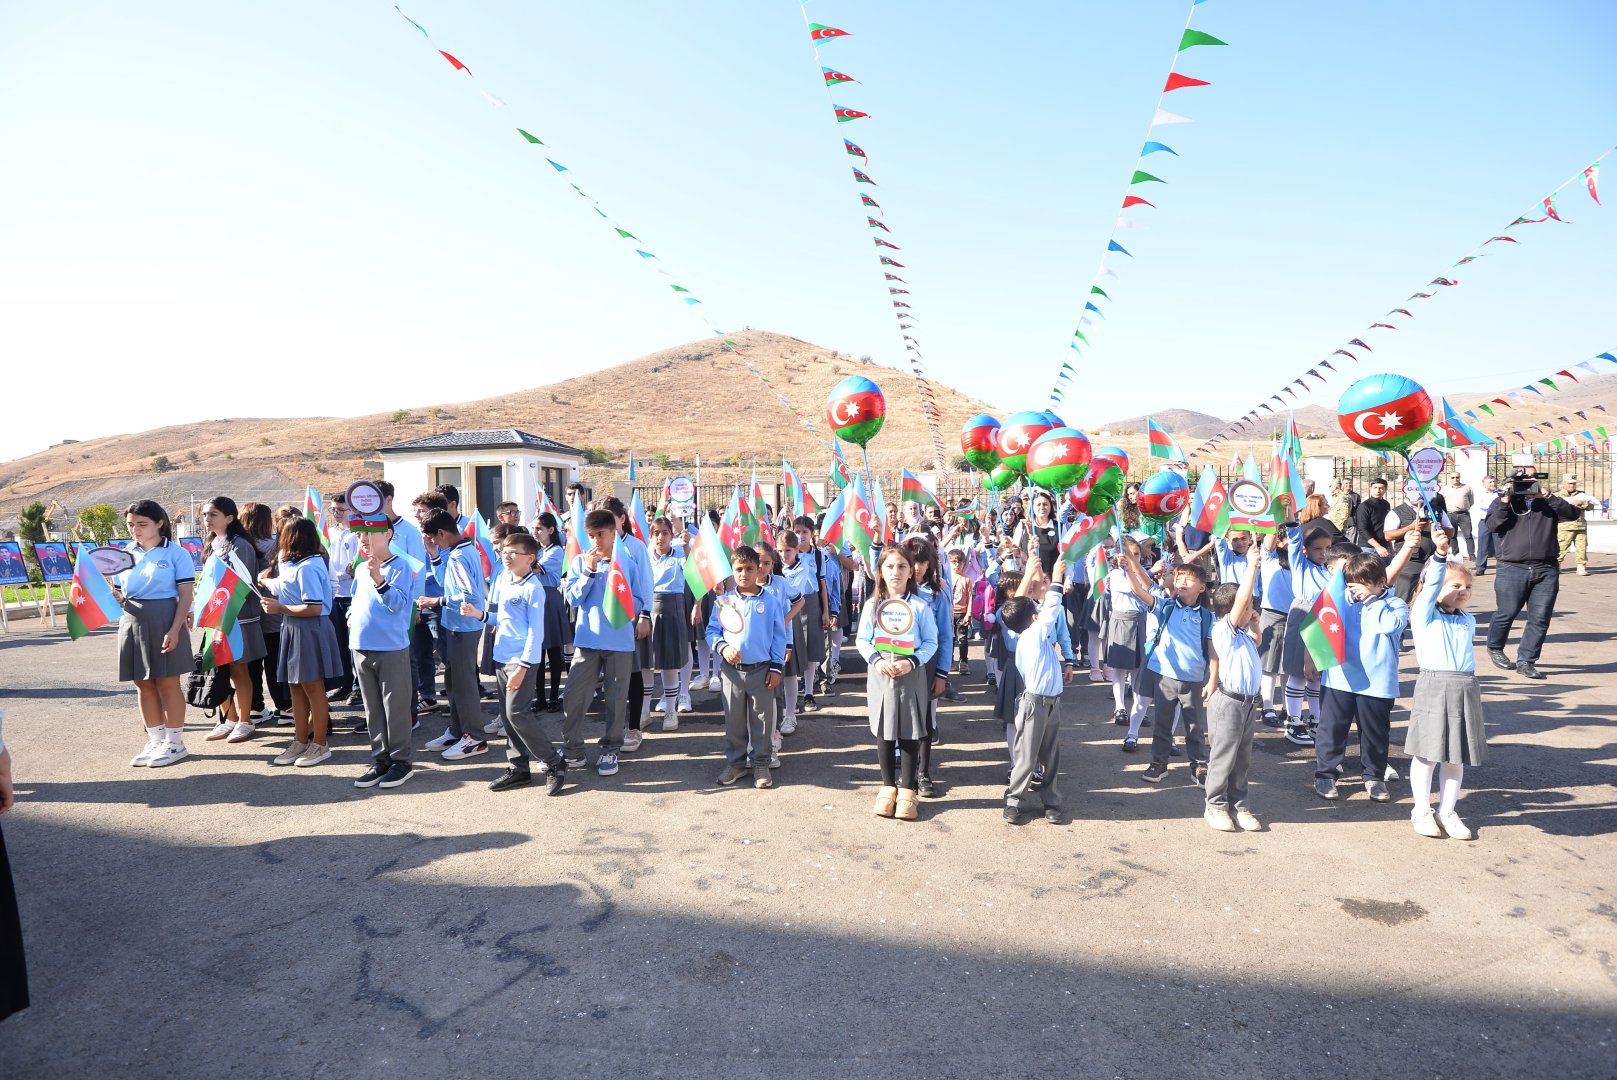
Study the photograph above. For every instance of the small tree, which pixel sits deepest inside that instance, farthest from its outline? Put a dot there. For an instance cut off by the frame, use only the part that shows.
(192, 456)
(100, 521)
(663, 461)
(33, 524)
(160, 463)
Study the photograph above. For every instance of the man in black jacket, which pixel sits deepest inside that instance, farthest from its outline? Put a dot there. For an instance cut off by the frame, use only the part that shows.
(1370, 516)
(1522, 524)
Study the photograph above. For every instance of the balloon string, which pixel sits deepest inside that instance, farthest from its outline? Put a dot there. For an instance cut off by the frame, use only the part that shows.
(865, 450)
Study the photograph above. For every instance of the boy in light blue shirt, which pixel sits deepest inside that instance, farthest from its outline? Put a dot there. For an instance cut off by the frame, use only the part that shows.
(1178, 655)
(747, 633)
(379, 630)
(1044, 671)
(458, 569)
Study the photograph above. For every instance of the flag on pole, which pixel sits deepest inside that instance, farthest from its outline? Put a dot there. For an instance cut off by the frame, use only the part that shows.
(314, 508)
(836, 517)
(1207, 505)
(477, 530)
(618, 604)
(90, 603)
(1085, 534)
(1460, 432)
(912, 490)
(1323, 633)
(1162, 444)
(637, 518)
(578, 538)
(708, 563)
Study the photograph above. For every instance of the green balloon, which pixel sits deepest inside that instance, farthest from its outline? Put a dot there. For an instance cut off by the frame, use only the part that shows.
(1002, 477)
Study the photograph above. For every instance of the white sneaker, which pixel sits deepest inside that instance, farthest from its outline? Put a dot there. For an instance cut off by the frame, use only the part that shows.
(464, 748)
(494, 727)
(632, 738)
(1457, 829)
(1390, 775)
(313, 754)
(167, 754)
(788, 726)
(444, 741)
(670, 718)
(713, 684)
(774, 761)
(243, 731)
(144, 758)
(290, 755)
(1426, 824)
(220, 730)
(684, 703)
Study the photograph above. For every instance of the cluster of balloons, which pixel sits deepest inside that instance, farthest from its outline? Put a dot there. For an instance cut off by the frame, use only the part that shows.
(1041, 447)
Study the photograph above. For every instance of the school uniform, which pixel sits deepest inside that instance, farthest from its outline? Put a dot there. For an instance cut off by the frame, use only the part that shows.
(429, 645)
(1178, 655)
(407, 535)
(1307, 581)
(1231, 564)
(600, 651)
(794, 586)
(516, 609)
(343, 551)
(670, 642)
(1123, 643)
(1362, 689)
(151, 591)
(898, 707)
(249, 619)
(1232, 712)
(1445, 717)
(308, 643)
(755, 626)
(1275, 582)
(459, 573)
(1037, 746)
(379, 631)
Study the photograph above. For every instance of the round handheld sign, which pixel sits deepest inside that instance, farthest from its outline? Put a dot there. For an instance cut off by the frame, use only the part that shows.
(365, 502)
(1427, 463)
(1417, 491)
(895, 627)
(111, 560)
(730, 617)
(1248, 498)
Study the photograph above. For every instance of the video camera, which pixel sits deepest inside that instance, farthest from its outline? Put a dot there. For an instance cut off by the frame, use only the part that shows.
(1524, 479)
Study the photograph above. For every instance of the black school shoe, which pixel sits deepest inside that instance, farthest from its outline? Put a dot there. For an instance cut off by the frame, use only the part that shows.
(1052, 815)
(512, 778)
(1500, 660)
(373, 775)
(1120, 718)
(1013, 816)
(926, 788)
(397, 774)
(555, 776)
(1154, 772)
(1527, 670)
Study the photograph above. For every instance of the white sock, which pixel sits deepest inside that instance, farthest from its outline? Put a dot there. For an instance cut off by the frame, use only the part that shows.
(1116, 678)
(1137, 714)
(1313, 695)
(685, 681)
(174, 736)
(1268, 691)
(1294, 698)
(1449, 777)
(1420, 784)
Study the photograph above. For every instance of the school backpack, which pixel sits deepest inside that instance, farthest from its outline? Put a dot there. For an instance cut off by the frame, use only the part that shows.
(207, 687)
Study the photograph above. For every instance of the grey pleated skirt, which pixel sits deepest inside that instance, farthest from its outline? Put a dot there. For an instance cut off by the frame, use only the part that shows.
(814, 647)
(252, 642)
(670, 631)
(1445, 719)
(1294, 652)
(1272, 647)
(309, 651)
(898, 707)
(140, 642)
(1124, 645)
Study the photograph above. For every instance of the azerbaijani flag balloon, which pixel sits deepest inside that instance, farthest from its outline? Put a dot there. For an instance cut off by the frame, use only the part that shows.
(1117, 454)
(1384, 412)
(1017, 437)
(1100, 487)
(1000, 478)
(978, 441)
(856, 409)
(1055, 421)
(1164, 495)
(1059, 458)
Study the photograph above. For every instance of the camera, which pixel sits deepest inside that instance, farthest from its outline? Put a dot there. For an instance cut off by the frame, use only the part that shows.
(1524, 479)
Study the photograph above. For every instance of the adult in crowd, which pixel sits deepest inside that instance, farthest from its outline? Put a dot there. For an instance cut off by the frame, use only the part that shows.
(1315, 514)
(1371, 516)
(1412, 517)
(1573, 536)
(1459, 499)
(1479, 514)
(1344, 504)
(1524, 521)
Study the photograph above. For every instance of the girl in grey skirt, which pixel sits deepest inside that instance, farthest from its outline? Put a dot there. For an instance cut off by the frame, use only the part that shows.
(670, 620)
(897, 637)
(227, 540)
(309, 655)
(1123, 647)
(1445, 719)
(154, 649)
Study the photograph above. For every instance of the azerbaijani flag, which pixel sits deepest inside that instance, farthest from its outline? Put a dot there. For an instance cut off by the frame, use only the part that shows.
(543, 505)
(730, 525)
(578, 538)
(839, 471)
(1162, 444)
(220, 594)
(860, 525)
(708, 563)
(794, 485)
(1085, 535)
(912, 490)
(883, 534)
(1323, 633)
(90, 603)
(618, 604)
(314, 508)
(477, 529)
(1095, 567)
(637, 518)
(1458, 430)
(836, 518)
(1207, 504)
(810, 507)
(1286, 483)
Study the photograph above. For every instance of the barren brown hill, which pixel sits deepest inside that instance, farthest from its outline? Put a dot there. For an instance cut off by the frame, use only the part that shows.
(693, 398)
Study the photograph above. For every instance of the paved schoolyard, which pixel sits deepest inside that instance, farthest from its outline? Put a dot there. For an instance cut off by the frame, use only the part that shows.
(224, 918)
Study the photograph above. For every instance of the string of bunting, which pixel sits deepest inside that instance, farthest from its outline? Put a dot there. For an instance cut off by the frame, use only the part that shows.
(1589, 175)
(1556, 382)
(1144, 173)
(682, 293)
(886, 249)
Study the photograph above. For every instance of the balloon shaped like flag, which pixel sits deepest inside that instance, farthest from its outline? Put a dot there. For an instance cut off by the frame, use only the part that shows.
(1017, 437)
(1164, 495)
(1385, 412)
(1059, 458)
(856, 410)
(979, 441)
(1002, 477)
(1117, 454)
(1100, 487)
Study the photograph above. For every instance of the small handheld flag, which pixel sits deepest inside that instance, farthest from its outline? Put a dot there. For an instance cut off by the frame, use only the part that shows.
(618, 603)
(91, 604)
(1323, 633)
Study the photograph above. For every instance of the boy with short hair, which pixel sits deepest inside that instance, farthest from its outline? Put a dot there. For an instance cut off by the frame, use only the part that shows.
(458, 569)
(1044, 671)
(343, 554)
(1234, 695)
(747, 633)
(516, 609)
(379, 629)
(599, 648)
(1178, 657)
(508, 513)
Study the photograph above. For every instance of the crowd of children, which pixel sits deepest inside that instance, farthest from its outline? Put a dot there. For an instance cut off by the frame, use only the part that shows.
(1194, 643)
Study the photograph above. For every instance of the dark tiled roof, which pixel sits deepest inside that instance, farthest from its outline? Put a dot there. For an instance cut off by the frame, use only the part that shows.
(497, 439)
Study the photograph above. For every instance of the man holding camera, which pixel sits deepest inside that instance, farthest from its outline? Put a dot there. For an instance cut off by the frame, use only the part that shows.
(1523, 525)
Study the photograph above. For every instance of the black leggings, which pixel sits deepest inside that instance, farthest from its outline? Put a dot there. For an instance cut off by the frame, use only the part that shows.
(637, 698)
(549, 662)
(906, 768)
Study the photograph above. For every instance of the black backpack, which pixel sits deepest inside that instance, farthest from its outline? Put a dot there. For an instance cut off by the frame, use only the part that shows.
(207, 687)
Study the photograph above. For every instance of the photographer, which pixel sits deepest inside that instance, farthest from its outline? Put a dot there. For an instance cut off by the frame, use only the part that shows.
(1522, 525)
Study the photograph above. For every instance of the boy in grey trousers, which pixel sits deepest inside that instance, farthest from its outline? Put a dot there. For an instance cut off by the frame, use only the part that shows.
(1234, 699)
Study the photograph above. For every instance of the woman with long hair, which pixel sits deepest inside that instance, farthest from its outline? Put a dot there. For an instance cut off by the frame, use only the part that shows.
(227, 540)
(154, 649)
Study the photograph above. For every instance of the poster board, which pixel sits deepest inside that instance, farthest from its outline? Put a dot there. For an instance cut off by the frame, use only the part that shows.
(13, 570)
(54, 564)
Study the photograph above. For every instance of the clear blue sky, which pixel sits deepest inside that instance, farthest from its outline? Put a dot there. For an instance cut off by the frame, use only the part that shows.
(222, 208)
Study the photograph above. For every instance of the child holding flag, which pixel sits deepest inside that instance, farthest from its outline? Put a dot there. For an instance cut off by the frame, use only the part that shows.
(1179, 656)
(1445, 719)
(897, 636)
(228, 543)
(670, 640)
(309, 653)
(379, 629)
(1123, 641)
(602, 589)
(747, 634)
(558, 621)
(154, 649)
(1039, 664)
(1234, 682)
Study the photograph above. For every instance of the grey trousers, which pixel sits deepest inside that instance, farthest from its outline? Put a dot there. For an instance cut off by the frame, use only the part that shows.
(1229, 738)
(460, 682)
(385, 685)
(1188, 696)
(588, 666)
(749, 715)
(525, 736)
(1037, 747)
